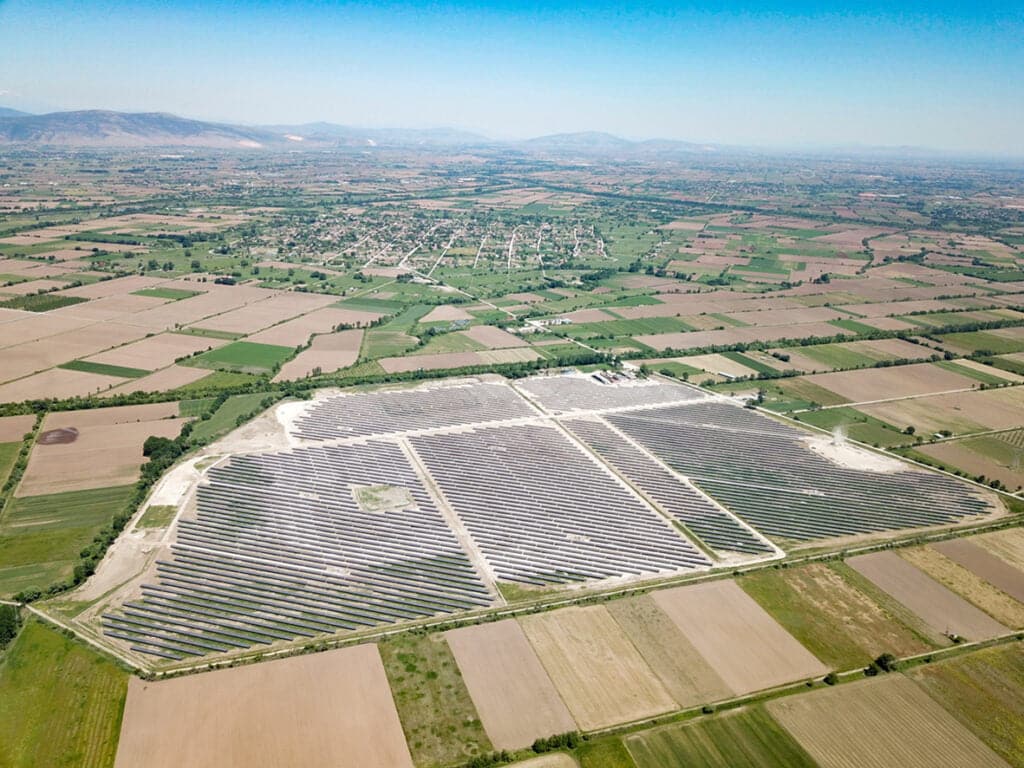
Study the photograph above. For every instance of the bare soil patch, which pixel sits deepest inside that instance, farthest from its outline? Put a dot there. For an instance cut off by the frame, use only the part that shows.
(328, 353)
(1007, 545)
(156, 351)
(885, 383)
(446, 313)
(515, 698)
(169, 378)
(332, 708)
(741, 642)
(985, 565)
(493, 338)
(293, 333)
(262, 314)
(14, 428)
(959, 412)
(57, 383)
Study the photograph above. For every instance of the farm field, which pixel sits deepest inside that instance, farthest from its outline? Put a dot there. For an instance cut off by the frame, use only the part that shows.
(244, 357)
(1007, 545)
(906, 727)
(743, 738)
(60, 702)
(979, 561)
(994, 457)
(326, 708)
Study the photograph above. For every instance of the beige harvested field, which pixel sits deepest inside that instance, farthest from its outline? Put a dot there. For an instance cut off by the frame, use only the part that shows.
(557, 760)
(193, 309)
(169, 378)
(430, 362)
(741, 642)
(991, 370)
(119, 286)
(885, 308)
(156, 351)
(18, 327)
(493, 338)
(515, 698)
(263, 314)
(684, 673)
(880, 723)
(33, 286)
(512, 355)
(324, 709)
(985, 565)
(39, 355)
(446, 313)
(937, 606)
(959, 412)
(797, 316)
(14, 428)
(293, 333)
(1007, 545)
(107, 451)
(329, 353)
(55, 383)
(718, 364)
(692, 339)
(959, 454)
(870, 384)
(967, 584)
(599, 673)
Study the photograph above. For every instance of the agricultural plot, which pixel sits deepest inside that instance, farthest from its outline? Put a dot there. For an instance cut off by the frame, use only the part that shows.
(940, 608)
(985, 565)
(893, 382)
(599, 673)
(514, 696)
(958, 412)
(156, 351)
(537, 507)
(330, 708)
(243, 356)
(326, 354)
(738, 639)
(878, 723)
(282, 548)
(768, 474)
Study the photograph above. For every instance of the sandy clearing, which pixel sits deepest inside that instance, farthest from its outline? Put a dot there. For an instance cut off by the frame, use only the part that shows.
(55, 383)
(880, 723)
(162, 381)
(493, 338)
(959, 411)
(329, 353)
(446, 313)
(967, 584)
(600, 675)
(515, 698)
(684, 673)
(14, 428)
(741, 642)
(296, 332)
(938, 607)
(156, 351)
(899, 381)
(332, 708)
(848, 455)
(102, 456)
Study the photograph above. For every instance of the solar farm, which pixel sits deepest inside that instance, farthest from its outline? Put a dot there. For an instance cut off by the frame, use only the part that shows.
(396, 505)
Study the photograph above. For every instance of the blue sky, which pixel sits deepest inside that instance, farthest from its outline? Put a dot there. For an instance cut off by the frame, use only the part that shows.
(933, 74)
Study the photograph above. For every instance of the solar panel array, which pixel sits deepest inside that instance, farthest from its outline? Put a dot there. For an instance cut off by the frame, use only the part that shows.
(542, 511)
(764, 472)
(378, 413)
(564, 394)
(281, 549)
(711, 524)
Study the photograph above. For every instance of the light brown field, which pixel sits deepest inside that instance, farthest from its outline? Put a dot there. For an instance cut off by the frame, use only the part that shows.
(692, 339)
(883, 309)
(515, 698)
(796, 316)
(886, 323)
(959, 412)
(329, 353)
(166, 379)
(511, 355)
(880, 723)
(64, 347)
(557, 760)
(107, 452)
(884, 383)
(718, 364)
(32, 286)
(430, 362)
(293, 333)
(599, 673)
(740, 641)
(55, 383)
(332, 708)
(589, 316)
(985, 565)
(1007, 545)
(446, 313)
(959, 454)
(940, 608)
(493, 338)
(218, 299)
(991, 370)
(18, 327)
(684, 673)
(967, 584)
(156, 351)
(14, 428)
(262, 314)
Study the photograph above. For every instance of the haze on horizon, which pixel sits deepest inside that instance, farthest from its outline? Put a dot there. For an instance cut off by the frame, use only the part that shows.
(772, 73)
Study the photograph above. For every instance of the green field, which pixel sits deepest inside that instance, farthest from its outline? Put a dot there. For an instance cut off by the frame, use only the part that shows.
(106, 370)
(377, 344)
(447, 342)
(8, 455)
(225, 418)
(607, 753)
(975, 341)
(858, 426)
(367, 304)
(195, 407)
(746, 738)
(852, 325)
(438, 717)
(41, 536)
(174, 294)
(242, 357)
(214, 381)
(971, 373)
(835, 356)
(157, 516)
(60, 702)
(41, 302)
(749, 362)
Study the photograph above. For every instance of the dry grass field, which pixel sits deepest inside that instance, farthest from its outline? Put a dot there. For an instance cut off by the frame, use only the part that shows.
(741, 642)
(1007, 545)
(985, 565)
(329, 353)
(967, 584)
(156, 351)
(885, 383)
(601, 676)
(14, 428)
(940, 608)
(880, 723)
(330, 708)
(446, 313)
(493, 338)
(295, 332)
(959, 412)
(169, 378)
(515, 698)
(684, 673)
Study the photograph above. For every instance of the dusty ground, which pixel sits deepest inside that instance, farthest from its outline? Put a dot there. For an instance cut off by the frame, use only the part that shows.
(515, 698)
(941, 609)
(740, 641)
(985, 565)
(599, 673)
(880, 723)
(332, 708)
(847, 455)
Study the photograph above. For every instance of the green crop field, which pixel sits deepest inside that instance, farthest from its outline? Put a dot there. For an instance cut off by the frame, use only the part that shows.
(448, 342)
(971, 373)
(975, 341)
(174, 294)
(835, 356)
(243, 357)
(606, 753)
(858, 426)
(107, 370)
(647, 325)
(367, 304)
(225, 418)
(41, 302)
(157, 516)
(852, 325)
(749, 362)
(60, 702)
(378, 343)
(746, 738)
(41, 536)
(438, 717)
(8, 455)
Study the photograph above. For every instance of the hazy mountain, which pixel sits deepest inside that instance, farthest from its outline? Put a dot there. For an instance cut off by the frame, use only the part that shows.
(369, 137)
(590, 141)
(8, 112)
(97, 128)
